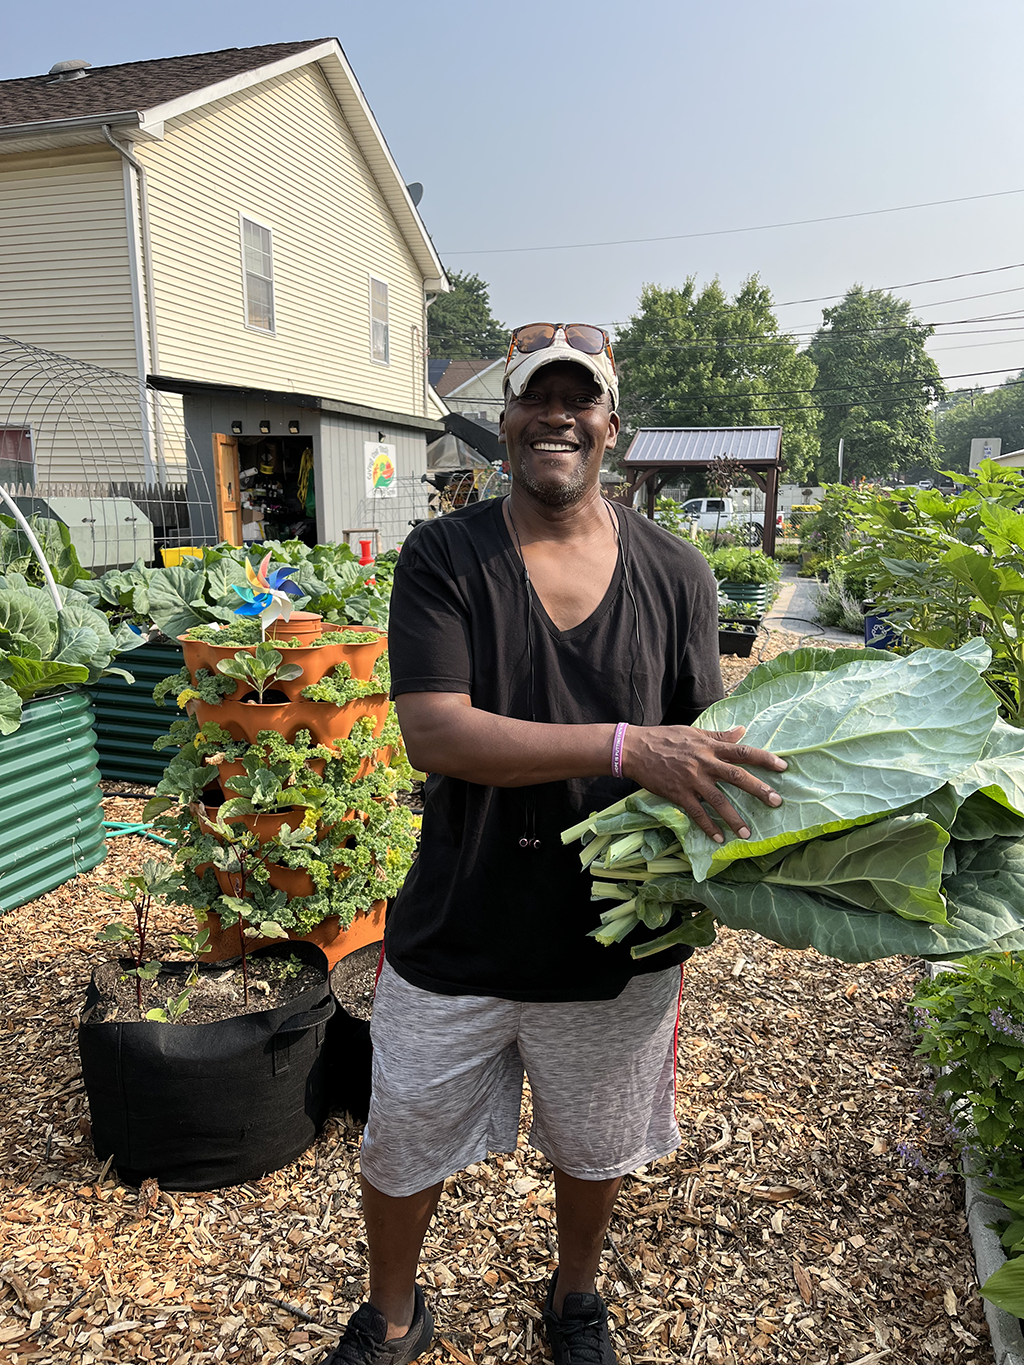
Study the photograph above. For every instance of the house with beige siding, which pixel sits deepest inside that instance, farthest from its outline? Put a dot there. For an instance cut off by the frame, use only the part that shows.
(229, 232)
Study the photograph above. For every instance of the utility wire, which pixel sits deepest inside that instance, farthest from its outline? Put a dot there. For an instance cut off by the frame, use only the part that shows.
(728, 232)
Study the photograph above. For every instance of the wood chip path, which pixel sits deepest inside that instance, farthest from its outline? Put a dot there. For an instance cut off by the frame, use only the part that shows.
(787, 1228)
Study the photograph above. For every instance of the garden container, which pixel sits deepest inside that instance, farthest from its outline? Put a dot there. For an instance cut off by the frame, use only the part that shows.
(128, 720)
(878, 633)
(315, 662)
(738, 642)
(202, 1106)
(51, 820)
(757, 593)
(335, 942)
(327, 724)
(349, 1063)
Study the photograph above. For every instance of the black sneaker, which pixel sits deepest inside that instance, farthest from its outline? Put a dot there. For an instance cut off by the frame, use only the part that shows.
(580, 1335)
(364, 1339)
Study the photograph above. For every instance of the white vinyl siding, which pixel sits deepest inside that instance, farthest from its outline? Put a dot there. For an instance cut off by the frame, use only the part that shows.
(283, 150)
(65, 276)
(257, 274)
(380, 349)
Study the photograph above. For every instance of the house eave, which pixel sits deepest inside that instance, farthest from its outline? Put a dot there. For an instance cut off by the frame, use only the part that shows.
(337, 406)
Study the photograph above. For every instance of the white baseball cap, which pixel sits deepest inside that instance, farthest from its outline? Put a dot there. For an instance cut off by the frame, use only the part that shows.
(544, 343)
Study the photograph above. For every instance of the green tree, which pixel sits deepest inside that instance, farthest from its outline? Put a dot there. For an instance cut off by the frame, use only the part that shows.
(461, 325)
(875, 385)
(693, 357)
(1000, 413)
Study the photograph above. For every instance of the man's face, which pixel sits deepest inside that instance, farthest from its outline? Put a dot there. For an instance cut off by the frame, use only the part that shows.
(556, 433)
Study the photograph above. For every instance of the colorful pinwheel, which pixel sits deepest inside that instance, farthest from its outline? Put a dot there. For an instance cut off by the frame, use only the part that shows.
(268, 594)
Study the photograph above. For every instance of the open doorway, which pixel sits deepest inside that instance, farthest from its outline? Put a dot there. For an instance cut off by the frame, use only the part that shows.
(278, 494)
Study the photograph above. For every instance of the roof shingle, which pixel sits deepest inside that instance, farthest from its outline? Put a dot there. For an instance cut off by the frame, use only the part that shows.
(132, 85)
(459, 372)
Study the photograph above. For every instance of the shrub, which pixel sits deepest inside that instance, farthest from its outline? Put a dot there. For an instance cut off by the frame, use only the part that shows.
(737, 564)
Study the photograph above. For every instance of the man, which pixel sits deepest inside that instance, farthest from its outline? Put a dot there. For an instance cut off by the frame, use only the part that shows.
(549, 653)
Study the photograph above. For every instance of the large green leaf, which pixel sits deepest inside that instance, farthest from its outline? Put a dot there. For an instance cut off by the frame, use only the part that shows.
(177, 600)
(805, 661)
(10, 710)
(861, 741)
(221, 576)
(31, 676)
(999, 772)
(980, 817)
(28, 618)
(800, 919)
(1005, 1287)
(16, 552)
(892, 865)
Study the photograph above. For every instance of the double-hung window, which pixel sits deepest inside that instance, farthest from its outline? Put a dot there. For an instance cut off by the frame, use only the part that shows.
(257, 274)
(380, 346)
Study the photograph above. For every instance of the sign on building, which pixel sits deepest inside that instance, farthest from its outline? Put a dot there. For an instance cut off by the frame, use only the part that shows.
(381, 469)
(984, 448)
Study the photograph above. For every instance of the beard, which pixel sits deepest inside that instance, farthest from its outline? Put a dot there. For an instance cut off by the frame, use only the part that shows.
(563, 493)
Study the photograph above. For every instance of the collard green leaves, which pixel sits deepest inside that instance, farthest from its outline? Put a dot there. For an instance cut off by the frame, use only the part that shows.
(861, 741)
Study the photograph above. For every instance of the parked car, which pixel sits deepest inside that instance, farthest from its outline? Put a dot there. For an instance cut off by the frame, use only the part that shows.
(722, 514)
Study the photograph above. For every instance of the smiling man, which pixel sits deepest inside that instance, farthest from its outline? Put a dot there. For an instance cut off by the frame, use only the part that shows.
(549, 652)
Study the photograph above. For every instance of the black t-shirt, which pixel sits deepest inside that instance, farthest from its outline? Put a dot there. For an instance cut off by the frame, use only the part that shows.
(478, 914)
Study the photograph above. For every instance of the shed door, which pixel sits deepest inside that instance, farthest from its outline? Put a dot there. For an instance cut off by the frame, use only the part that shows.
(225, 470)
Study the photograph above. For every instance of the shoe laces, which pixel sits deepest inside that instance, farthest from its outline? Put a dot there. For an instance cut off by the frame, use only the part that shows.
(359, 1345)
(581, 1338)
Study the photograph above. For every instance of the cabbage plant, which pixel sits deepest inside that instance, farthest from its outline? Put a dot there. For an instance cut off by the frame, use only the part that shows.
(42, 650)
(901, 829)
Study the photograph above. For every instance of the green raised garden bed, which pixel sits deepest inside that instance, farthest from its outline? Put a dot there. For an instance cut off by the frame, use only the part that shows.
(128, 720)
(51, 821)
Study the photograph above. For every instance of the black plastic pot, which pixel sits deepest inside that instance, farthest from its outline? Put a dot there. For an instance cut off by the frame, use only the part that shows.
(201, 1106)
(738, 642)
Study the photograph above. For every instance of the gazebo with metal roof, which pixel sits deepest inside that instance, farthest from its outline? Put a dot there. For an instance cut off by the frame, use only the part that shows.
(659, 455)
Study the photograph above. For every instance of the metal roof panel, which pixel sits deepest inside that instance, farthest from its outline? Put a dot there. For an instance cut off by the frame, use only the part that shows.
(699, 445)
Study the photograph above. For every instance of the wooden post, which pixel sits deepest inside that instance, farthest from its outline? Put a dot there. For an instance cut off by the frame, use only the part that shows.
(771, 509)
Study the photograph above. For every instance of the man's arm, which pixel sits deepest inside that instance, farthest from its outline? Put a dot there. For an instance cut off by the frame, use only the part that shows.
(445, 733)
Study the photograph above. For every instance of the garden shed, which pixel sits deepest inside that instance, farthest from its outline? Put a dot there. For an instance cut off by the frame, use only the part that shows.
(661, 455)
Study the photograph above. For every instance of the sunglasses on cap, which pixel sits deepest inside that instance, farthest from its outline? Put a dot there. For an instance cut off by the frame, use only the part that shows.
(581, 336)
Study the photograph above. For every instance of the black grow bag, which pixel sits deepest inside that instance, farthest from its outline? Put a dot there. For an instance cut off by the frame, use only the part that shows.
(201, 1106)
(738, 642)
(349, 1059)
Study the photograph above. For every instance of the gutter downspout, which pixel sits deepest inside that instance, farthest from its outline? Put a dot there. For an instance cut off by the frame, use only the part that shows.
(428, 299)
(147, 281)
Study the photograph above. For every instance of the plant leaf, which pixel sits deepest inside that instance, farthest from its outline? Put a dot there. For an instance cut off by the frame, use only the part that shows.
(861, 741)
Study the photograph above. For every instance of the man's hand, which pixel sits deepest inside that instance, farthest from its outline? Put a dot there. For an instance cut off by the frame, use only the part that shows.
(684, 765)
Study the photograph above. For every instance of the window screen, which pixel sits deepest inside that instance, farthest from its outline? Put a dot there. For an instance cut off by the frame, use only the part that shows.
(258, 262)
(379, 342)
(16, 464)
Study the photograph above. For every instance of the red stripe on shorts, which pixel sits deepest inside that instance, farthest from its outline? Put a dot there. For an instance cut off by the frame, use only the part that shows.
(380, 968)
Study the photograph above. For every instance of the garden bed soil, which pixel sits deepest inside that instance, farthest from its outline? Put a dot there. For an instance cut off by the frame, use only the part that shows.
(354, 978)
(788, 1229)
(217, 995)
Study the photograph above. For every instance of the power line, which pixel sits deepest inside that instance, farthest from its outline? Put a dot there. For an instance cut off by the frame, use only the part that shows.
(728, 232)
(910, 284)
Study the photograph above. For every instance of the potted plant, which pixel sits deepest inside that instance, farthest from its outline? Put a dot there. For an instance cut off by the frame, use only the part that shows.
(164, 603)
(202, 1075)
(283, 808)
(738, 625)
(745, 575)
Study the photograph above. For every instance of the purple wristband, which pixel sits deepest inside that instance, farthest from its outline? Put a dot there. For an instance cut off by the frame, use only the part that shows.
(618, 740)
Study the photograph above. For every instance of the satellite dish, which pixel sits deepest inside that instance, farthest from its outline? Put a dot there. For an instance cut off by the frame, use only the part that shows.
(415, 192)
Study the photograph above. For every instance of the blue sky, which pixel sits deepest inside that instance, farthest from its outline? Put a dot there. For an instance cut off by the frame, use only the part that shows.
(550, 122)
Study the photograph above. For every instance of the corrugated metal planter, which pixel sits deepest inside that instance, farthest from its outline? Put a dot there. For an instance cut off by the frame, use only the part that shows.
(757, 593)
(51, 821)
(128, 720)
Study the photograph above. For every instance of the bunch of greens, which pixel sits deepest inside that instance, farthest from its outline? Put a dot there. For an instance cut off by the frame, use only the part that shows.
(737, 564)
(968, 1020)
(18, 556)
(41, 649)
(901, 829)
(201, 591)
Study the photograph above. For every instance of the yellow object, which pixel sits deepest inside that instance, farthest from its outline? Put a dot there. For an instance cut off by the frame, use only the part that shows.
(177, 553)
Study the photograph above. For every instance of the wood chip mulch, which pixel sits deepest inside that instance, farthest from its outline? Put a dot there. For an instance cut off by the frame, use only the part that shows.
(788, 1227)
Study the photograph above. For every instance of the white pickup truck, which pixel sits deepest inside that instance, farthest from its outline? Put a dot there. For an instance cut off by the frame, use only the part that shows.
(722, 514)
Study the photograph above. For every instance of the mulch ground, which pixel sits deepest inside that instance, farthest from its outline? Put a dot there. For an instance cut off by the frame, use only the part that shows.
(789, 1227)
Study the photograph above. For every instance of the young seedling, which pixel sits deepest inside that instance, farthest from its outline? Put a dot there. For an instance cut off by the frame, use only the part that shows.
(173, 1008)
(261, 669)
(155, 881)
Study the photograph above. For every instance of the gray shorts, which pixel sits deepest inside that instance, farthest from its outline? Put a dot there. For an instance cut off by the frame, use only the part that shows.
(448, 1081)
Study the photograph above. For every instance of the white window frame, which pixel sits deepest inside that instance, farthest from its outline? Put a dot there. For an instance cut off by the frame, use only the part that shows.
(371, 280)
(244, 218)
